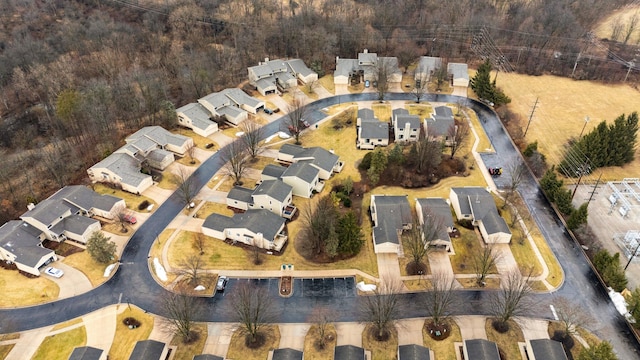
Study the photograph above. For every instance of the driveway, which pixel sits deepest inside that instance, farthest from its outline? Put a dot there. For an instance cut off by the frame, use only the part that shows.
(410, 331)
(219, 338)
(388, 268)
(72, 283)
(472, 327)
(292, 335)
(349, 334)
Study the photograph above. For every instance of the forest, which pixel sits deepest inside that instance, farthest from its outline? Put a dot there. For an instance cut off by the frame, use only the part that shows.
(77, 76)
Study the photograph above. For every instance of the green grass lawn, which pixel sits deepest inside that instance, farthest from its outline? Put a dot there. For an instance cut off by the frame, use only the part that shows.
(125, 339)
(380, 350)
(60, 346)
(443, 349)
(237, 349)
(18, 290)
(188, 351)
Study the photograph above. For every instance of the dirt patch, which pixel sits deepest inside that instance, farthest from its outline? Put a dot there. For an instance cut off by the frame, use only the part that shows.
(286, 286)
(416, 269)
(61, 248)
(438, 332)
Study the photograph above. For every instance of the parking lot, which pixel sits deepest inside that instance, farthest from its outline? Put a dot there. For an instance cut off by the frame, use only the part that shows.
(309, 287)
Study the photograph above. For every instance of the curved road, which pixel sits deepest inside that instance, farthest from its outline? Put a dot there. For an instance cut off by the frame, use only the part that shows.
(134, 284)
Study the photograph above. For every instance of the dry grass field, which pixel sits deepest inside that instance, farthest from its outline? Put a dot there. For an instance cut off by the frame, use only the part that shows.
(623, 15)
(61, 345)
(444, 349)
(125, 339)
(507, 342)
(237, 349)
(17, 290)
(563, 105)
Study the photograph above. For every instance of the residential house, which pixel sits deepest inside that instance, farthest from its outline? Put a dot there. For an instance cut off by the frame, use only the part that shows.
(234, 104)
(480, 349)
(325, 161)
(349, 352)
(64, 215)
(149, 350)
(87, 353)
(123, 170)
(274, 76)
(439, 125)
(260, 228)
(371, 131)
(272, 195)
(437, 212)
(477, 204)
(545, 349)
(406, 127)
(301, 176)
(197, 118)
(286, 354)
(459, 74)
(162, 138)
(207, 357)
(364, 68)
(427, 65)
(414, 352)
(391, 215)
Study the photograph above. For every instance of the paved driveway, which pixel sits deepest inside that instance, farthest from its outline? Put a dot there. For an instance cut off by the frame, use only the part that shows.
(73, 282)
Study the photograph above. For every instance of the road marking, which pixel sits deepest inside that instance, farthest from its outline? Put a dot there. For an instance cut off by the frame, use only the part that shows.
(553, 310)
(120, 298)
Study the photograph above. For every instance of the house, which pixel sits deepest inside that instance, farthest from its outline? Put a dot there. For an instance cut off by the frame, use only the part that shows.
(439, 212)
(197, 118)
(87, 353)
(20, 243)
(477, 204)
(162, 138)
(325, 161)
(301, 176)
(349, 352)
(438, 126)
(391, 215)
(364, 68)
(260, 228)
(244, 101)
(545, 349)
(459, 74)
(207, 357)
(406, 127)
(480, 349)
(273, 195)
(414, 352)
(275, 76)
(371, 131)
(286, 354)
(149, 350)
(427, 65)
(233, 104)
(301, 71)
(122, 170)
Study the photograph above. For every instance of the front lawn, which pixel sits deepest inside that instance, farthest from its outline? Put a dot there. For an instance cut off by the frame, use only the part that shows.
(132, 200)
(213, 208)
(382, 111)
(18, 290)
(188, 351)
(507, 342)
(443, 349)
(238, 350)
(380, 350)
(466, 247)
(90, 268)
(125, 339)
(327, 82)
(60, 346)
(310, 351)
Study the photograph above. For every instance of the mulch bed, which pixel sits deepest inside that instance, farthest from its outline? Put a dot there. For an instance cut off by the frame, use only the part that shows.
(439, 332)
(286, 286)
(61, 248)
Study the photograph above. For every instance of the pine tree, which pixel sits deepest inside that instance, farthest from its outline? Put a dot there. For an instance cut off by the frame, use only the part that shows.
(563, 201)
(578, 217)
(601, 351)
(349, 235)
(485, 88)
(100, 248)
(550, 184)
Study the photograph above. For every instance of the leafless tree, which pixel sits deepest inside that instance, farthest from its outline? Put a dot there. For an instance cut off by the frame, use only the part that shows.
(190, 269)
(235, 159)
(200, 242)
(294, 121)
(458, 134)
(517, 172)
(382, 75)
(120, 215)
(428, 154)
(459, 105)
(310, 86)
(318, 224)
(185, 183)
(191, 152)
(182, 310)
(617, 27)
(570, 315)
(422, 84)
(419, 238)
(512, 300)
(483, 261)
(440, 298)
(252, 137)
(252, 308)
(631, 26)
(322, 319)
(441, 76)
(381, 309)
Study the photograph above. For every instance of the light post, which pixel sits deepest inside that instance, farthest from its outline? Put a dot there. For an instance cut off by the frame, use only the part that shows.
(586, 121)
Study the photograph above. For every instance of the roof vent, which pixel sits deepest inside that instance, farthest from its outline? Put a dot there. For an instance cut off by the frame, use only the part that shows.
(31, 206)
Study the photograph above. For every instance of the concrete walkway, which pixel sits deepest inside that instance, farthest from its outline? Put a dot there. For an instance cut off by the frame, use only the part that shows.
(30, 341)
(388, 268)
(219, 338)
(533, 328)
(410, 331)
(292, 335)
(472, 327)
(101, 327)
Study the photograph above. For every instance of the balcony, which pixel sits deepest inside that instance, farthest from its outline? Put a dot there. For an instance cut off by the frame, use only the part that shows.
(289, 211)
(338, 167)
(319, 186)
(279, 241)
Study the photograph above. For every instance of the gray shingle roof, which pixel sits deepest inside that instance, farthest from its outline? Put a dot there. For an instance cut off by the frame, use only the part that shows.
(207, 357)
(458, 70)
(399, 111)
(199, 115)
(124, 166)
(217, 100)
(85, 198)
(261, 70)
(319, 157)
(428, 64)
(413, 352)
(440, 122)
(367, 58)
(160, 155)
(480, 349)
(547, 349)
(291, 149)
(345, 66)
(274, 171)
(348, 352)
(287, 354)
(85, 353)
(47, 211)
(147, 350)
(240, 193)
(239, 97)
(277, 65)
(75, 224)
(299, 67)
(444, 111)
(158, 135)
(273, 188)
(366, 114)
(374, 129)
(412, 120)
(256, 221)
(302, 171)
(21, 239)
(392, 212)
(440, 208)
(478, 202)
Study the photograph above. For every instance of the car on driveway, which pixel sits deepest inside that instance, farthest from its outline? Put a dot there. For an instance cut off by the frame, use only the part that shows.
(56, 273)
(366, 83)
(222, 283)
(130, 219)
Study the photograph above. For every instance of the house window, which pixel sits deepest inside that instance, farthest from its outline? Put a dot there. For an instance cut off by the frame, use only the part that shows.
(367, 141)
(379, 140)
(401, 136)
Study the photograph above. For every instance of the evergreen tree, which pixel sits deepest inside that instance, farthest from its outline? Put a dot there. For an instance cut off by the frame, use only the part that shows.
(563, 201)
(550, 184)
(378, 165)
(578, 217)
(633, 306)
(350, 237)
(485, 88)
(602, 351)
(610, 269)
(101, 248)
(396, 157)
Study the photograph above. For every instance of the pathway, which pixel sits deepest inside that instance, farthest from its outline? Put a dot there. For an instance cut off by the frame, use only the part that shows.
(292, 335)
(472, 327)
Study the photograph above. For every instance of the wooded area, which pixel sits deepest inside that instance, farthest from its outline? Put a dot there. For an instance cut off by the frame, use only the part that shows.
(76, 76)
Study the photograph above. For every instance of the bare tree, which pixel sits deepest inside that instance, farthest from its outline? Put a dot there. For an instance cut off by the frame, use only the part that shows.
(570, 315)
(458, 135)
(181, 310)
(252, 308)
(631, 26)
(483, 261)
(319, 224)
(382, 75)
(120, 214)
(252, 137)
(441, 76)
(191, 151)
(235, 157)
(440, 298)
(381, 309)
(294, 121)
(422, 84)
(190, 269)
(322, 319)
(428, 154)
(200, 242)
(419, 238)
(310, 86)
(517, 172)
(185, 183)
(512, 300)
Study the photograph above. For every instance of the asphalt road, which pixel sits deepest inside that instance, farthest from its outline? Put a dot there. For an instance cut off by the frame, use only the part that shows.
(134, 284)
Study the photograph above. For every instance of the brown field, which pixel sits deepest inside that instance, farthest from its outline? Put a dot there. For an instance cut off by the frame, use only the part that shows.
(603, 30)
(563, 105)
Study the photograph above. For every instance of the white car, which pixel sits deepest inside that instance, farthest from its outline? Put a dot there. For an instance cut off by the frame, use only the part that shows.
(56, 273)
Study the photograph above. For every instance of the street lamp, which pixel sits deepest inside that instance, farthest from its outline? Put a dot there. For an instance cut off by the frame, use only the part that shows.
(586, 121)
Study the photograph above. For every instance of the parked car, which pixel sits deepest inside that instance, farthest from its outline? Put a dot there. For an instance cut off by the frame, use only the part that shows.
(375, 84)
(367, 83)
(56, 273)
(305, 123)
(268, 111)
(222, 283)
(130, 219)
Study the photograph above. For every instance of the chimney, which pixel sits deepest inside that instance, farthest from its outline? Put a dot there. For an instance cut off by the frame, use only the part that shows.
(365, 51)
(337, 58)
(30, 206)
(266, 60)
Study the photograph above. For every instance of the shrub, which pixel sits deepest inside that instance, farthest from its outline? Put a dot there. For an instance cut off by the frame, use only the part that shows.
(346, 202)
(143, 205)
(365, 164)
(466, 223)
(531, 149)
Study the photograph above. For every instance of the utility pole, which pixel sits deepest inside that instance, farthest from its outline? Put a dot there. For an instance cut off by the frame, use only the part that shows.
(630, 64)
(531, 116)
(633, 255)
(594, 189)
(582, 170)
(586, 120)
